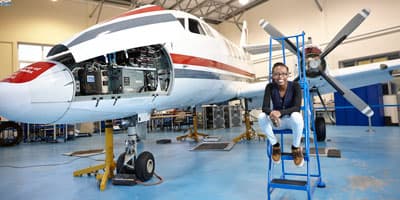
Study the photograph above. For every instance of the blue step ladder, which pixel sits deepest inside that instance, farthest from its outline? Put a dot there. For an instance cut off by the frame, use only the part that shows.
(306, 180)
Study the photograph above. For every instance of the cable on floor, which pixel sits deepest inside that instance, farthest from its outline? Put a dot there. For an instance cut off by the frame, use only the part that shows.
(41, 165)
(150, 184)
(52, 164)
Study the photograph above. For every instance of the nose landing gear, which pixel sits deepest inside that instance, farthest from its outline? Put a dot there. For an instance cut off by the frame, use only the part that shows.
(128, 165)
(130, 170)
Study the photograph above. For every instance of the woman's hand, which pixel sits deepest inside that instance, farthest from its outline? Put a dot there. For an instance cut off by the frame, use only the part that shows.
(274, 116)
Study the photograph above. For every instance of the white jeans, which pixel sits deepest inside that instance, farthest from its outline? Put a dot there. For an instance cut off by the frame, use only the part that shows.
(294, 122)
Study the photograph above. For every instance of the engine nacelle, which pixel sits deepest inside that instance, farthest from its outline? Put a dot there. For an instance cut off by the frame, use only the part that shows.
(314, 63)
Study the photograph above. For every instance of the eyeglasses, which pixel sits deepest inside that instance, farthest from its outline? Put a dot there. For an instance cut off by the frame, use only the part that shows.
(279, 74)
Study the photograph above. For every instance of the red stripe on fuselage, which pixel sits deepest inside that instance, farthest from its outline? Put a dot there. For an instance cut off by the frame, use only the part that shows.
(203, 62)
(140, 10)
(29, 72)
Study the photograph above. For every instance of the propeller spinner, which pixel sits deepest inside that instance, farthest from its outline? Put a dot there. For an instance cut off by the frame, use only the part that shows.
(315, 58)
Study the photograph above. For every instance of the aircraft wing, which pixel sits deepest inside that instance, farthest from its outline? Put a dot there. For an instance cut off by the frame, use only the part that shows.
(252, 90)
(255, 49)
(352, 77)
(359, 76)
(260, 48)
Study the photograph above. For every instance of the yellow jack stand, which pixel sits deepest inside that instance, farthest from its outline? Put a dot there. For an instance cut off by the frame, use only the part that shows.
(250, 132)
(192, 132)
(109, 164)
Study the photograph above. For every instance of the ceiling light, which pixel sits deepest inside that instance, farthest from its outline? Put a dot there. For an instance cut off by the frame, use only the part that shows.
(243, 2)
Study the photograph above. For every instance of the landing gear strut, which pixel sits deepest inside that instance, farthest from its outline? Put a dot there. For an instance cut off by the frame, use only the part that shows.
(320, 129)
(320, 126)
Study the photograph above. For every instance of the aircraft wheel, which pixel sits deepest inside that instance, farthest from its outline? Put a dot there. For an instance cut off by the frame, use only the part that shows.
(10, 133)
(145, 166)
(320, 129)
(121, 168)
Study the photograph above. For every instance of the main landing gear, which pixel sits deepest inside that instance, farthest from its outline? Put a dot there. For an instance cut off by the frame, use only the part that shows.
(320, 129)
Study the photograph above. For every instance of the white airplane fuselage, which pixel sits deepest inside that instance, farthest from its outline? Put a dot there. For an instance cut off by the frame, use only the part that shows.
(141, 61)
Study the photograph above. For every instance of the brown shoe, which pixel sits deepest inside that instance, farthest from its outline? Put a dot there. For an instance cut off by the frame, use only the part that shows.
(276, 153)
(298, 157)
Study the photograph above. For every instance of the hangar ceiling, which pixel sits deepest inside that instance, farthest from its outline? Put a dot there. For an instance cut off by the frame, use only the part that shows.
(212, 11)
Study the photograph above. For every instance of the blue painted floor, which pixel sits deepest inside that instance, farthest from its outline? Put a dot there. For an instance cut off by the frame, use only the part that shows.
(368, 168)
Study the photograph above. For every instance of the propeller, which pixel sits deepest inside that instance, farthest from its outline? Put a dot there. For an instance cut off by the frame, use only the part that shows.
(271, 30)
(346, 31)
(316, 59)
(349, 95)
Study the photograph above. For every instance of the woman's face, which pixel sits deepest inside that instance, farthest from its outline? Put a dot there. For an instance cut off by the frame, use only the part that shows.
(280, 75)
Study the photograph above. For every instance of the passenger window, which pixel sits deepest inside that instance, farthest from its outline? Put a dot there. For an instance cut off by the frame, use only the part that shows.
(194, 27)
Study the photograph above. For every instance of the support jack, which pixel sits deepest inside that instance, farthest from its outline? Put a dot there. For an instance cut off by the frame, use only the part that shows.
(109, 164)
(250, 132)
(193, 133)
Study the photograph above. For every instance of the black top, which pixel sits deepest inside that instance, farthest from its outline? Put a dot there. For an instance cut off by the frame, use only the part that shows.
(290, 103)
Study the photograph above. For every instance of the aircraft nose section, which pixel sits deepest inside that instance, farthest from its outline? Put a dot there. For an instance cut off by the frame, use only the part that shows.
(13, 101)
(39, 93)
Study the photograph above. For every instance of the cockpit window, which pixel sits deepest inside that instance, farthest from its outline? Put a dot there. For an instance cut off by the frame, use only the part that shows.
(182, 21)
(208, 30)
(194, 27)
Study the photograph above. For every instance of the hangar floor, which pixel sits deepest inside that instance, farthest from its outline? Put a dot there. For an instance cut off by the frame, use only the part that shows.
(367, 169)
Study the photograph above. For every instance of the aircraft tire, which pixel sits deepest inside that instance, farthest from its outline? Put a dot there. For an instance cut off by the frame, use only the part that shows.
(5, 139)
(121, 168)
(145, 166)
(320, 129)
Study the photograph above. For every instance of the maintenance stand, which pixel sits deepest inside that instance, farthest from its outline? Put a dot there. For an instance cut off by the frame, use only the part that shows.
(300, 181)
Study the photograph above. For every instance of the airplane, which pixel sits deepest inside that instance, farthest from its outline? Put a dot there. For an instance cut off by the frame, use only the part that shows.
(150, 59)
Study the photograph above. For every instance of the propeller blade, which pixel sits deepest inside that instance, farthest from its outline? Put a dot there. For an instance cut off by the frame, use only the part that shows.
(352, 98)
(346, 31)
(272, 31)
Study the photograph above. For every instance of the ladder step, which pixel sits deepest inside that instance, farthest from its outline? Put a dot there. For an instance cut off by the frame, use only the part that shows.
(289, 182)
(286, 154)
(290, 153)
